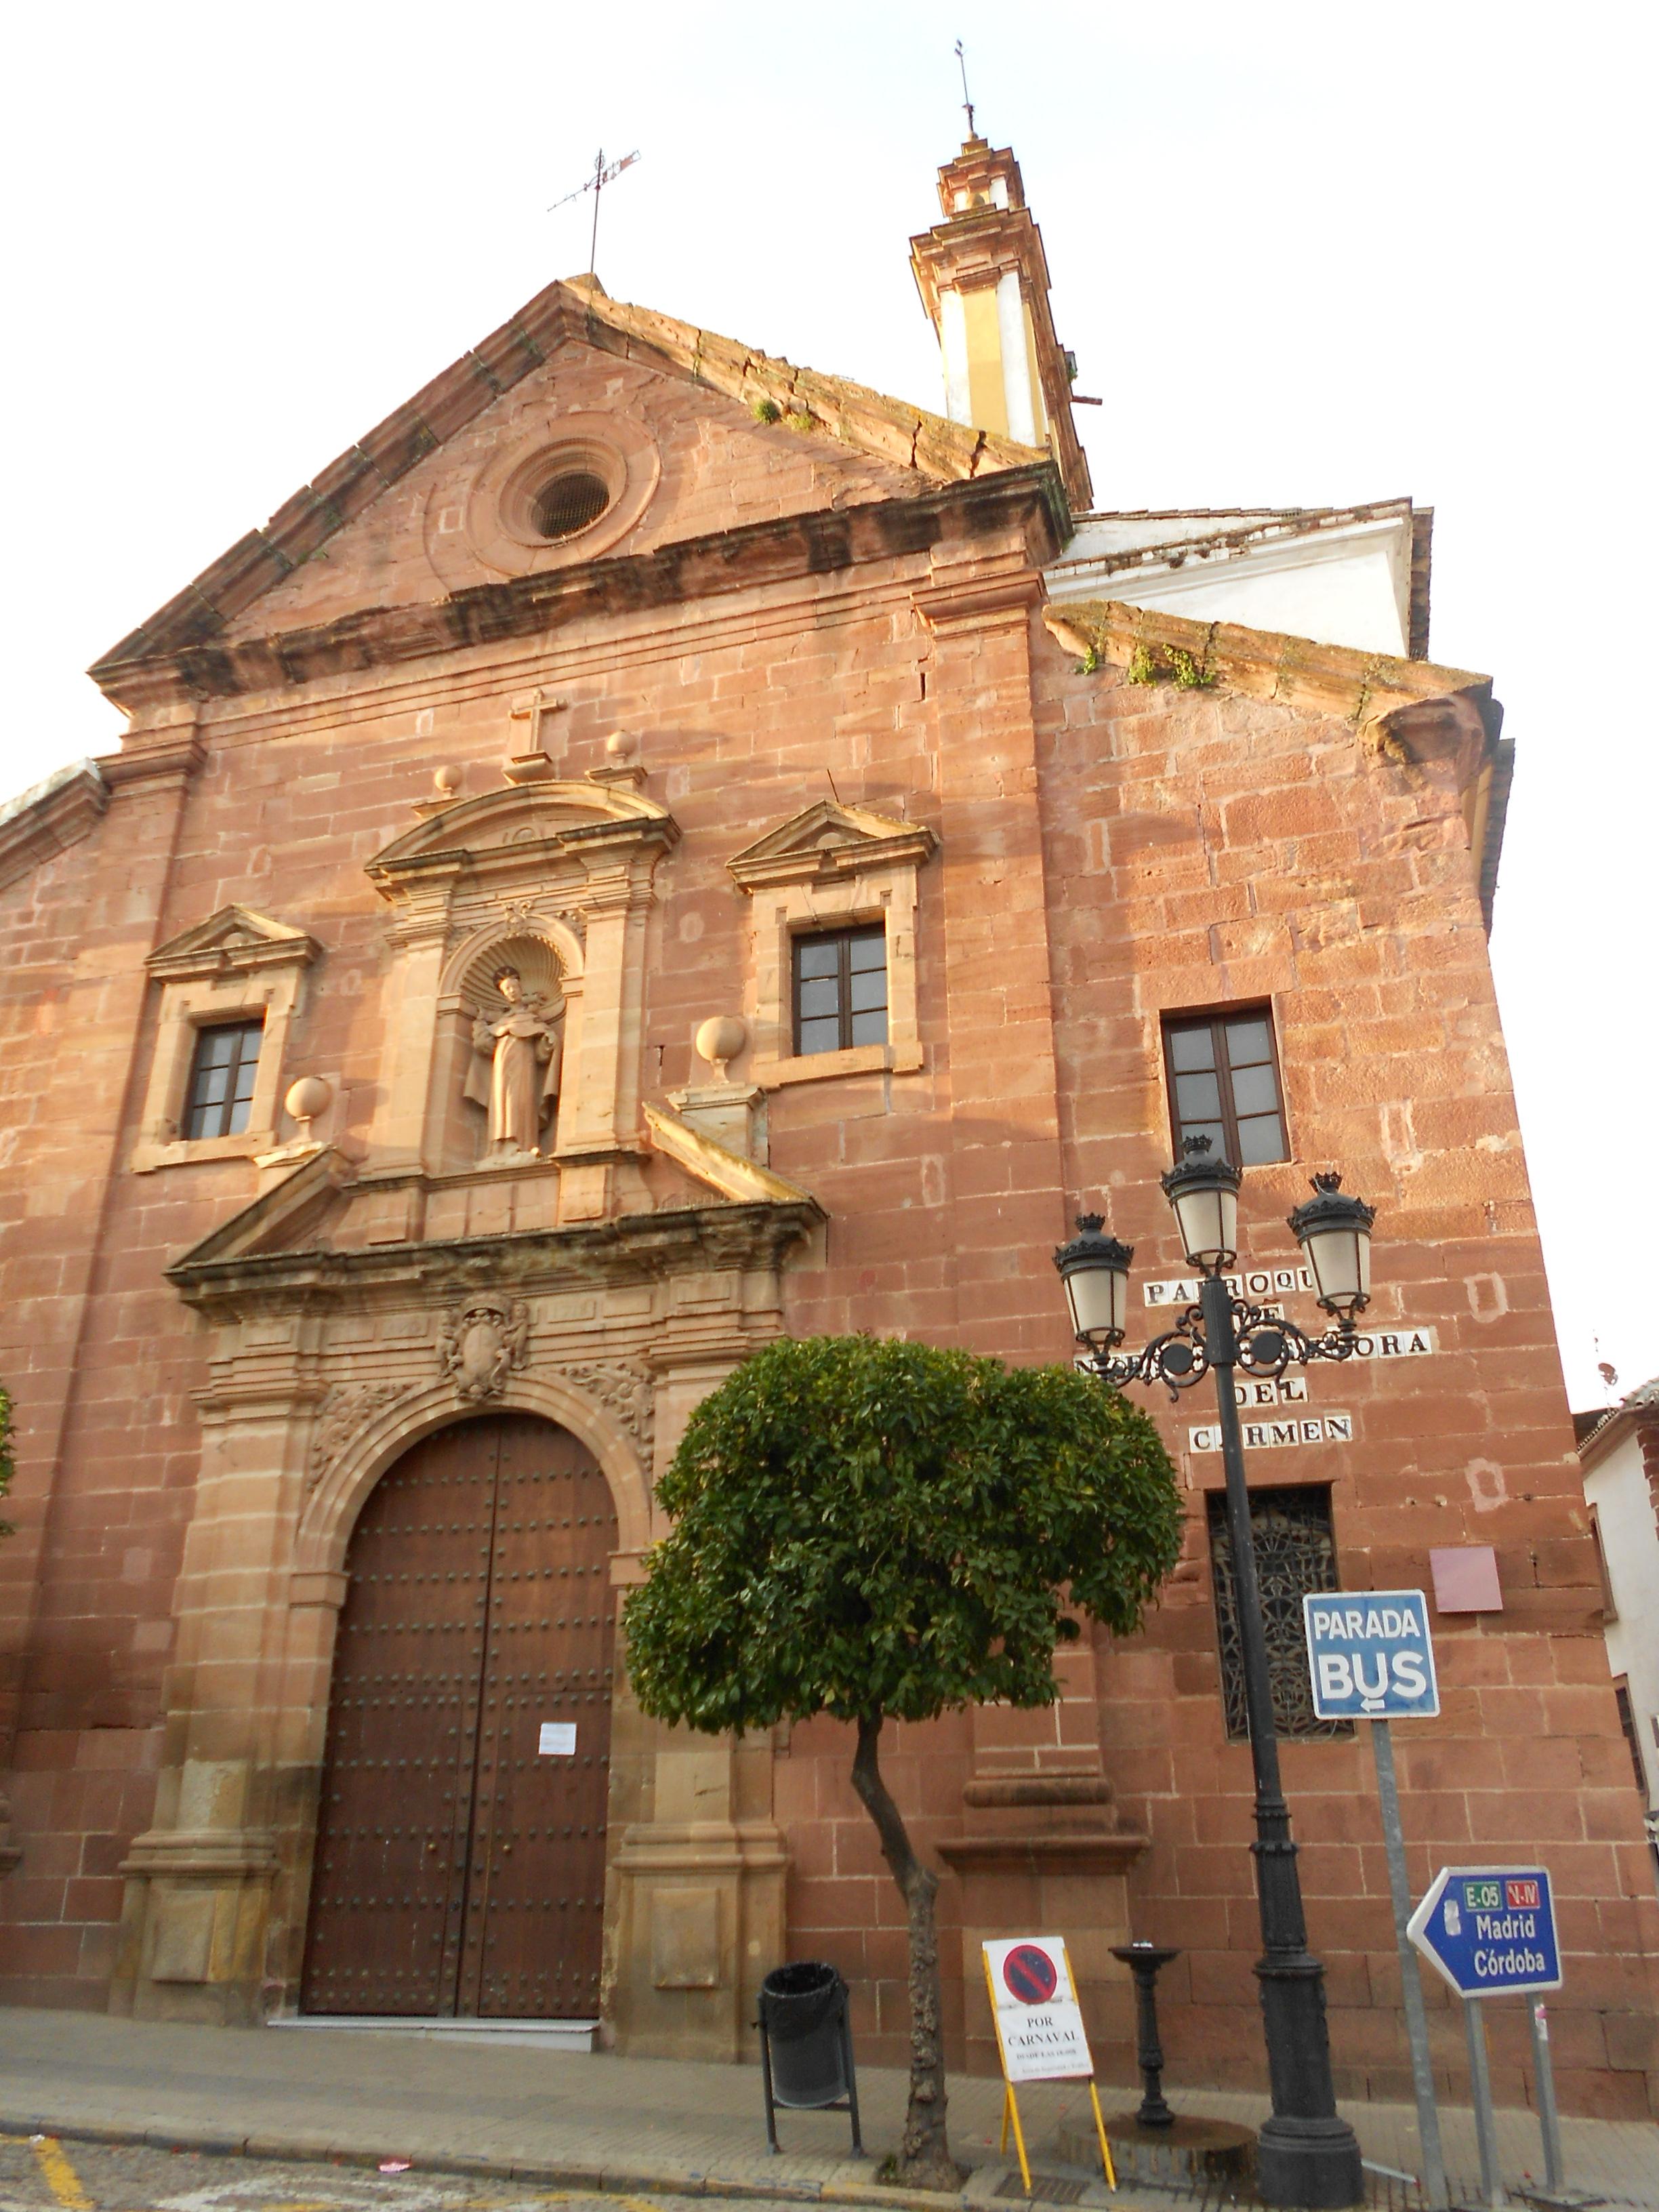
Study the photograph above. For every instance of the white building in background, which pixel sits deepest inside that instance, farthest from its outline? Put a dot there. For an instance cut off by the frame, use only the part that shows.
(1620, 1453)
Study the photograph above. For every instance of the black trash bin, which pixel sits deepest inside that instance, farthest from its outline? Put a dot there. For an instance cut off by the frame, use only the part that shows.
(806, 2045)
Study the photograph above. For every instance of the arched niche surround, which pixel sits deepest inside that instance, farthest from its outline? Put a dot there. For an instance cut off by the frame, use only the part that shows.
(570, 865)
(330, 1513)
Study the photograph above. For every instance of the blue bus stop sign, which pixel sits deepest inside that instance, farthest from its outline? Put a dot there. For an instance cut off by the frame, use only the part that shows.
(1369, 1654)
(1490, 1930)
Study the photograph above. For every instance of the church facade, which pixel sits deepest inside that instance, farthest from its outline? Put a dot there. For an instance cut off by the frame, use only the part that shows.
(651, 849)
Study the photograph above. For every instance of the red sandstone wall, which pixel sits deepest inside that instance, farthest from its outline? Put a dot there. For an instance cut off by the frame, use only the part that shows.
(1108, 852)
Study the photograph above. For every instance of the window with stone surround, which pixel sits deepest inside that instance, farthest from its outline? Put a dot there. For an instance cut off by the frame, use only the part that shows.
(1223, 1074)
(228, 989)
(1295, 1548)
(831, 987)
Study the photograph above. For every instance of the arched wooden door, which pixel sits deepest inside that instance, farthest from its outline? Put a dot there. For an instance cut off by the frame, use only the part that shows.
(460, 1845)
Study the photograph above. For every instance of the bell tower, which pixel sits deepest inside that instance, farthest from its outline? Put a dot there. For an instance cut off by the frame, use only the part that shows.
(984, 282)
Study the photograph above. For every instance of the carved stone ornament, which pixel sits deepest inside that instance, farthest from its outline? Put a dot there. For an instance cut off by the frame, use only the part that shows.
(346, 1409)
(483, 1343)
(624, 1391)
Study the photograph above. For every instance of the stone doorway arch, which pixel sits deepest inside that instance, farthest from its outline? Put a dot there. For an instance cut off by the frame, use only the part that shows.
(462, 1832)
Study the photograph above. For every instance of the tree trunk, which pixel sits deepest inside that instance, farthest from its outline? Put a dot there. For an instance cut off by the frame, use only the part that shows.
(923, 2155)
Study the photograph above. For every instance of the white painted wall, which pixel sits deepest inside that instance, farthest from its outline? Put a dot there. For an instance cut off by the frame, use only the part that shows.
(1617, 1487)
(1016, 361)
(953, 351)
(1349, 585)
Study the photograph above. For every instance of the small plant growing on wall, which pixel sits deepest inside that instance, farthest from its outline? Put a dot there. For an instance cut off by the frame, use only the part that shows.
(766, 410)
(882, 1531)
(1170, 663)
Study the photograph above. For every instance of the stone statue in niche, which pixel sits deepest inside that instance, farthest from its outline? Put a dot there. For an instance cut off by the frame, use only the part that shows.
(514, 1071)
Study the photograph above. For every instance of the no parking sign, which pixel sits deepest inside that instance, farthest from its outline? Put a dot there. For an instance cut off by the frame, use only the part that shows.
(1040, 2030)
(1039, 2021)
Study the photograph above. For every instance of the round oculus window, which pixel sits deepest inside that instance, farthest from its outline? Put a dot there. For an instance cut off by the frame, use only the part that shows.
(567, 505)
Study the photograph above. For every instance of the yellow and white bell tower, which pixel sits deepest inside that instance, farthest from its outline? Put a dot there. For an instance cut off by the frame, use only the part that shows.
(984, 282)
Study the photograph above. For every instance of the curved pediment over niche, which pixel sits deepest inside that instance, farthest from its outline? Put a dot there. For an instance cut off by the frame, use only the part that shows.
(555, 812)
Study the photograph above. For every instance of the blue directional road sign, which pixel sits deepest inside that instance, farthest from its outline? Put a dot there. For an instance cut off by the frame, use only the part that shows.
(1369, 1656)
(1490, 1930)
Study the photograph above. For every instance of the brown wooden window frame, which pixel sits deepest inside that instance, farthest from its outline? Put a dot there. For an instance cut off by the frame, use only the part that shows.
(1609, 1604)
(842, 940)
(1180, 1020)
(1626, 1707)
(195, 1123)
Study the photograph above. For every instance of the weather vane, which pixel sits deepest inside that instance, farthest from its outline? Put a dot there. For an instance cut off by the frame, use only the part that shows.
(962, 62)
(596, 184)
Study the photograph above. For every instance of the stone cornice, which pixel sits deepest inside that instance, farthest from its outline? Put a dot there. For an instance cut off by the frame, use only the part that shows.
(1043, 1852)
(43, 823)
(1026, 501)
(1362, 688)
(635, 1248)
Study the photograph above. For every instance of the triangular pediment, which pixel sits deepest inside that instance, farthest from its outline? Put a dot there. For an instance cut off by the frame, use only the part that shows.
(235, 939)
(829, 839)
(906, 449)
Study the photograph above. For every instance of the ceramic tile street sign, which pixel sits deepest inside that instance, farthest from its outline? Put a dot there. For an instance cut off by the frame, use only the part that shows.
(1369, 1654)
(1275, 1435)
(1490, 1930)
(1255, 1285)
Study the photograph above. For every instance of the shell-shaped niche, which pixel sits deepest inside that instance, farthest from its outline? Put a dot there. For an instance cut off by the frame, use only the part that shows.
(534, 958)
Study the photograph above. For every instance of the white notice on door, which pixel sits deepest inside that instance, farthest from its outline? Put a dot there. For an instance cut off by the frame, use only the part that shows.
(557, 1740)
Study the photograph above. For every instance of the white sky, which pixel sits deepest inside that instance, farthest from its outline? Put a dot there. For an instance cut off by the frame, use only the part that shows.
(1309, 254)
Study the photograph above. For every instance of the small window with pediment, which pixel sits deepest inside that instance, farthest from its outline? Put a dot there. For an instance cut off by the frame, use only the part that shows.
(833, 971)
(228, 989)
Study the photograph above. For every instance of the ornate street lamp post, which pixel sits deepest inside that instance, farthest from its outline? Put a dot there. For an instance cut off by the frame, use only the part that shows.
(1308, 2154)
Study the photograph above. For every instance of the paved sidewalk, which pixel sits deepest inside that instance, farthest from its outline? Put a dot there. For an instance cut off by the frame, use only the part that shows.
(562, 2117)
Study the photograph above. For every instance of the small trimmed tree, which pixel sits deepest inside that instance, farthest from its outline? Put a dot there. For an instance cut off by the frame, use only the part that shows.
(879, 1530)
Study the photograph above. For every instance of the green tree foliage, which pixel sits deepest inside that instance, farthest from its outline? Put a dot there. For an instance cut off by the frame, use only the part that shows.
(880, 1530)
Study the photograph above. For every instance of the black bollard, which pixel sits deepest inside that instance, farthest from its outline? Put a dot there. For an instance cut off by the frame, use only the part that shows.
(1143, 1961)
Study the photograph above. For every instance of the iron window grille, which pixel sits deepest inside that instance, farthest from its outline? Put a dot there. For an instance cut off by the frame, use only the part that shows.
(575, 499)
(1295, 1552)
(1223, 1073)
(841, 990)
(221, 1073)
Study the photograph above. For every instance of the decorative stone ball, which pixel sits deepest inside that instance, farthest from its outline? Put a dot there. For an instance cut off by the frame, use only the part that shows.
(306, 1098)
(619, 745)
(446, 782)
(720, 1038)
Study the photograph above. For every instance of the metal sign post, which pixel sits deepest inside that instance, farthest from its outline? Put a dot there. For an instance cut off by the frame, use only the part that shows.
(1549, 2119)
(1489, 1932)
(1411, 1984)
(1371, 1657)
(1486, 2127)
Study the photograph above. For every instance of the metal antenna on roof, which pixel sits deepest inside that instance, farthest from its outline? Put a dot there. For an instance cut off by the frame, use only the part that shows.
(962, 62)
(596, 184)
